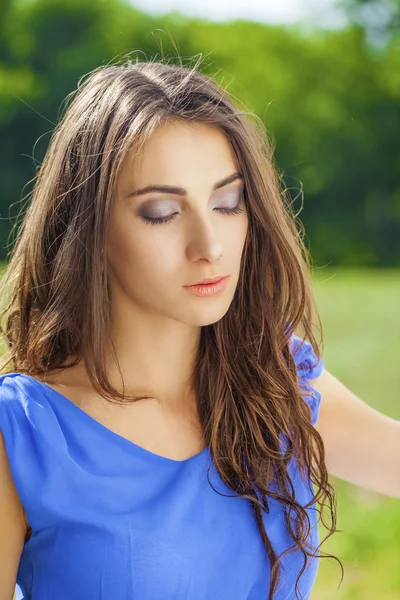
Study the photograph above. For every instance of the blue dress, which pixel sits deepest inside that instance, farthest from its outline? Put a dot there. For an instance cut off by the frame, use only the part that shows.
(113, 521)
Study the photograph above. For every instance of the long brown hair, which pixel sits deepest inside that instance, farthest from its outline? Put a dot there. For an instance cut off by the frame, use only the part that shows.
(245, 376)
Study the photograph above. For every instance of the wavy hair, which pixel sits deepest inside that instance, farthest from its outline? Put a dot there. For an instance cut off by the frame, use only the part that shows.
(245, 376)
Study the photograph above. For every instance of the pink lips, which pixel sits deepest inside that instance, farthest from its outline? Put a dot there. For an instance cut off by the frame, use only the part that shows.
(210, 280)
(208, 289)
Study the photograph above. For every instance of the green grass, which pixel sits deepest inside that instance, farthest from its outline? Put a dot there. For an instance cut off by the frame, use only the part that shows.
(360, 317)
(361, 323)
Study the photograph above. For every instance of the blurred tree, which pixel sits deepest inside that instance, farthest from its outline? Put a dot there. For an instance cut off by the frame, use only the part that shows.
(379, 18)
(329, 103)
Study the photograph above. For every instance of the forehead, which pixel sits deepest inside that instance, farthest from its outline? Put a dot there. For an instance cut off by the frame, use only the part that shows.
(181, 154)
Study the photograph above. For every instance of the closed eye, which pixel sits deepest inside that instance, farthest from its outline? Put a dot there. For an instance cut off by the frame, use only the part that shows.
(159, 221)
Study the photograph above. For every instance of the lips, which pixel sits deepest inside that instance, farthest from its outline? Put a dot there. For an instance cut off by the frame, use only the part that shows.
(208, 280)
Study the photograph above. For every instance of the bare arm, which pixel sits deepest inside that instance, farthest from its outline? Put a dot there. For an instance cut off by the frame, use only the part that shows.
(13, 527)
(362, 445)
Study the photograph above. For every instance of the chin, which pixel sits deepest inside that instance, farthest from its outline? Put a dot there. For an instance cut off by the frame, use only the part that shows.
(204, 316)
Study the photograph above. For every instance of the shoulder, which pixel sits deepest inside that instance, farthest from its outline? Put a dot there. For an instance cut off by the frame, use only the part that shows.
(11, 391)
(24, 445)
(306, 360)
(309, 367)
(20, 405)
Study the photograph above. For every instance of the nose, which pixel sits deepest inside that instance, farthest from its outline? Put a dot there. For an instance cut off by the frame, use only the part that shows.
(205, 240)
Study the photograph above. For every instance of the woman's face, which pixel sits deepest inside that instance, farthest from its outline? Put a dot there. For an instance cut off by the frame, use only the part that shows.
(150, 262)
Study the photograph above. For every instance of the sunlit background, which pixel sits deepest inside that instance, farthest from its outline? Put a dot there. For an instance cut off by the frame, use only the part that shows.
(324, 76)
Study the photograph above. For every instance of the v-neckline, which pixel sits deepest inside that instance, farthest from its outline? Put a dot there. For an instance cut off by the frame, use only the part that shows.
(116, 437)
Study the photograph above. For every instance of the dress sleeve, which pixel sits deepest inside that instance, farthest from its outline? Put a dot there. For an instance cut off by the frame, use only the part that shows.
(308, 367)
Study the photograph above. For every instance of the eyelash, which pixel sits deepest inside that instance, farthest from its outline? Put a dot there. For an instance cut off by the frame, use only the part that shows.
(227, 211)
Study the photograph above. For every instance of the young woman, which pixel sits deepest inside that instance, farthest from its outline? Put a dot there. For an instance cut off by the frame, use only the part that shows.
(164, 438)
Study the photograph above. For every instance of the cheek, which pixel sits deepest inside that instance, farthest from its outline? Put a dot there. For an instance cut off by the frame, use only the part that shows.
(244, 228)
(139, 258)
(236, 236)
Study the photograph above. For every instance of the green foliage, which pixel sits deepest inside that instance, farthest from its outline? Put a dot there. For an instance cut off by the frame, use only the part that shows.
(329, 100)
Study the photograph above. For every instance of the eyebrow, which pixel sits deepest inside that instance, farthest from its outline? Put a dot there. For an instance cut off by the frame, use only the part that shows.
(179, 191)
